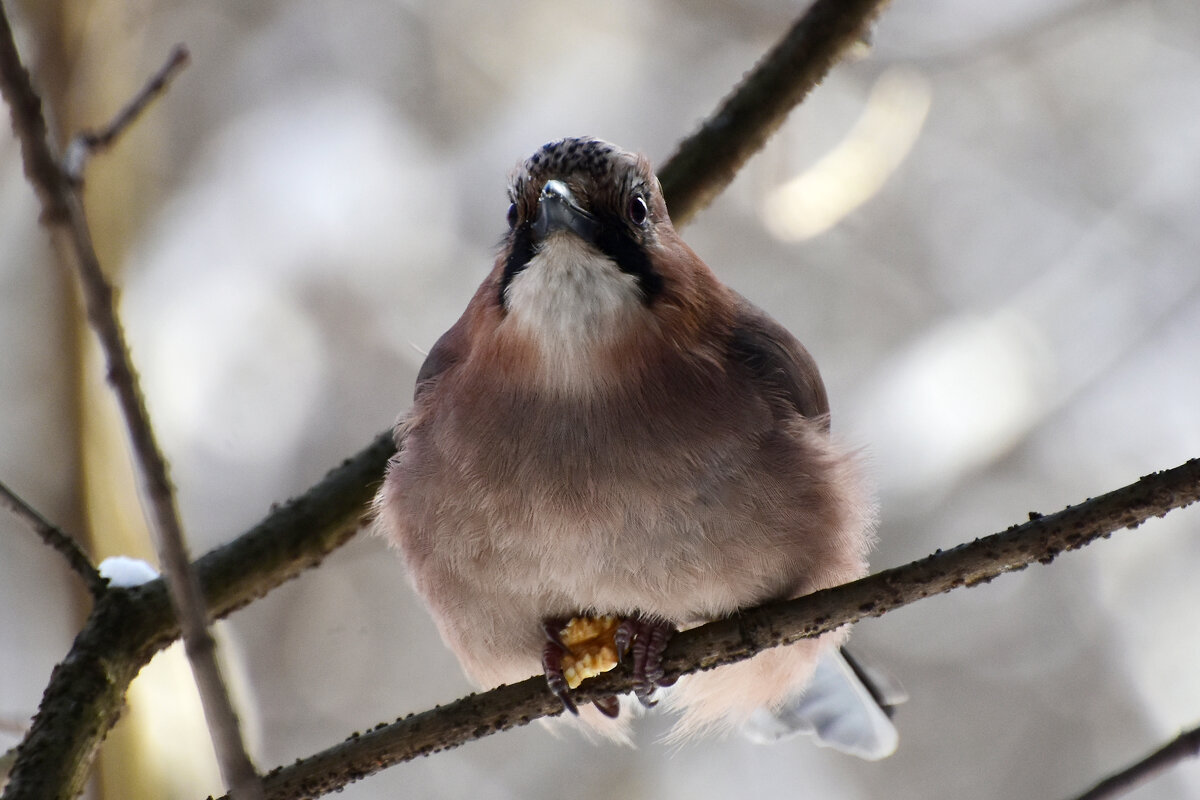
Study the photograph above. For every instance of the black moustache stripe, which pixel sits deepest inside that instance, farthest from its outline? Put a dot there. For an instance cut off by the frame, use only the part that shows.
(616, 242)
(518, 258)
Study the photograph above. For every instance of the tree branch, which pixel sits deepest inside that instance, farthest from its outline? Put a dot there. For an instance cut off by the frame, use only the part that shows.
(706, 162)
(63, 208)
(73, 720)
(128, 626)
(1039, 540)
(56, 538)
(41, 168)
(1185, 745)
(88, 143)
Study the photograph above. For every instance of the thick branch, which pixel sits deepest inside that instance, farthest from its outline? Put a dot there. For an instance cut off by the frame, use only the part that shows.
(706, 162)
(63, 207)
(1185, 745)
(56, 538)
(127, 627)
(1039, 540)
(73, 720)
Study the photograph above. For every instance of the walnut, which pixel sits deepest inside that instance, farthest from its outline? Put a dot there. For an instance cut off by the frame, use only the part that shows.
(591, 647)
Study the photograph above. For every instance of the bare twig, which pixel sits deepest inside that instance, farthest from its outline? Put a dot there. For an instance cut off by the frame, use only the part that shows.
(1039, 540)
(63, 207)
(75, 716)
(706, 161)
(127, 627)
(1185, 745)
(56, 538)
(88, 143)
(29, 125)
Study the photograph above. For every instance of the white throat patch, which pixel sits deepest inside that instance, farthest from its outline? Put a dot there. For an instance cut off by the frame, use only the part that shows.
(569, 299)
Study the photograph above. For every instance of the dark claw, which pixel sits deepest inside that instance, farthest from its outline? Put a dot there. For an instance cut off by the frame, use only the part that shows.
(624, 637)
(609, 706)
(646, 641)
(552, 655)
(553, 629)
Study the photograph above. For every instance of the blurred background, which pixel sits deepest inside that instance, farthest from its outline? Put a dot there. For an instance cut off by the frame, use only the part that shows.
(985, 230)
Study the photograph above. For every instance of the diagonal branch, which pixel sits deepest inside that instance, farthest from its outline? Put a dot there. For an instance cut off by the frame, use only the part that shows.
(57, 538)
(41, 168)
(1039, 540)
(63, 208)
(706, 162)
(88, 143)
(1185, 745)
(128, 626)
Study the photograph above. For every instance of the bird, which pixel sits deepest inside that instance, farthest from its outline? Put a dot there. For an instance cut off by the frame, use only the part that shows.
(610, 432)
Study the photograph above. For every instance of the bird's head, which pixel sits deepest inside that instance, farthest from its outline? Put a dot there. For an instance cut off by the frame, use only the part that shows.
(579, 202)
(591, 261)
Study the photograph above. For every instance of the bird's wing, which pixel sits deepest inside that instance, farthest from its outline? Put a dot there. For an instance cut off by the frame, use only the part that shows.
(777, 361)
(446, 352)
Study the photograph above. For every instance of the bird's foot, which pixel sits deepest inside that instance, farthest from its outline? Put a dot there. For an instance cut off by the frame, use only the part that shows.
(645, 640)
(582, 647)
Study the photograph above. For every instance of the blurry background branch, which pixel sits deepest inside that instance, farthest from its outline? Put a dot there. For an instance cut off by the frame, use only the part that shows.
(55, 537)
(60, 734)
(63, 210)
(276, 551)
(128, 626)
(1184, 746)
(706, 161)
(86, 144)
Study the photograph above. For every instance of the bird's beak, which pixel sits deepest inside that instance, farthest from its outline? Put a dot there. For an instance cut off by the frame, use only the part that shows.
(558, 211)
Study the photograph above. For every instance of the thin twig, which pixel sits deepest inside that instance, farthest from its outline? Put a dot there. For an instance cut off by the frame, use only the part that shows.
(691, 181)
(41, 168)
(55, 537)
(1039, 540)
(87, 143)
(705, 162)
(126, 628)
(64, 208)
(1185, 745)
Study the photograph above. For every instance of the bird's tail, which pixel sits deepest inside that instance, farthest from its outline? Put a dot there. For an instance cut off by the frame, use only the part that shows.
(847, 706)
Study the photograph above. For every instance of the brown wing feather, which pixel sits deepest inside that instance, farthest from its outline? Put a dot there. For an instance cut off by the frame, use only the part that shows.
(446, 352)
(778, 361)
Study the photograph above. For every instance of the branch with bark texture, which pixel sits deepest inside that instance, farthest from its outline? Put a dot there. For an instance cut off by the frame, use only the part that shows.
(58, 188)
(1040, 540)
(127, 627)
(708, 160)
(56, 538)
(86, 692)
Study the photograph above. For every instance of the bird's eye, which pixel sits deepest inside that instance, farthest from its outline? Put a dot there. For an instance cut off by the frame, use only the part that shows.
(512, 215)
(637, 210)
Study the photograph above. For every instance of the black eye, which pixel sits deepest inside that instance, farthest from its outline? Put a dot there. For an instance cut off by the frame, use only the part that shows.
(512, 215)
(637, 210)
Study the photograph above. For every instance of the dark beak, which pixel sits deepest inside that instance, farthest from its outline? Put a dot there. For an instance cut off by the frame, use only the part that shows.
(558, 211)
